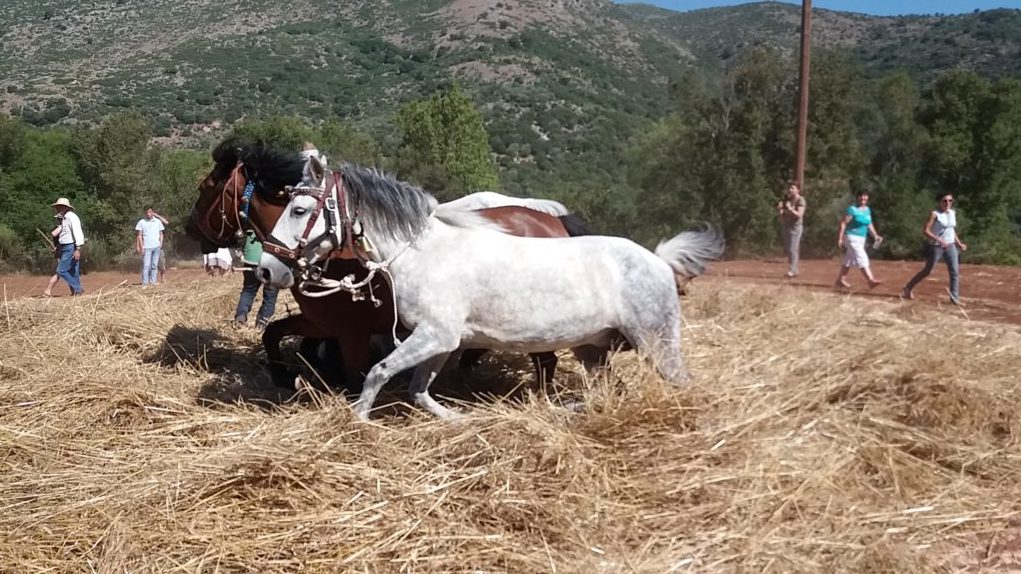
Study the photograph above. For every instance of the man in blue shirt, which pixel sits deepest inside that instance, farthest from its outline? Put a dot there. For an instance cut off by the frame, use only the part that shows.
(148, 243)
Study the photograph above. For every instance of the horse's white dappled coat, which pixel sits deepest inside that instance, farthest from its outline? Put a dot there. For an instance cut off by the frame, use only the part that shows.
(459, 282)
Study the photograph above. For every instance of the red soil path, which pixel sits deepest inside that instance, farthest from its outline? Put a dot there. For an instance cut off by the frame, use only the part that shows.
(13, 286)
(988, 292)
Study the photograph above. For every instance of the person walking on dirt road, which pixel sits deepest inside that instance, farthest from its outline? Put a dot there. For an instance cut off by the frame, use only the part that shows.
(70, 239)
(854, 230)
(792, 215)
(943, 243)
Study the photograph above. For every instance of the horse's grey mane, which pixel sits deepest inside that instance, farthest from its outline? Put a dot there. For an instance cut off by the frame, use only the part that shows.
(398, 209)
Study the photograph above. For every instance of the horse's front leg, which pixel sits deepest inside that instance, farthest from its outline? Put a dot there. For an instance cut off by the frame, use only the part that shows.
(356, 349)
(545, 367)
(271, 337)
(424, 343)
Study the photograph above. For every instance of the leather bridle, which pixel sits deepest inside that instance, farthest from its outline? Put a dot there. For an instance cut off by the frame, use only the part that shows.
(240, 200)
(343, 230)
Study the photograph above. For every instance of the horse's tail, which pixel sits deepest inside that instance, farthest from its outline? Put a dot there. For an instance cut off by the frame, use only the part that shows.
(688, 252)
(576, 226)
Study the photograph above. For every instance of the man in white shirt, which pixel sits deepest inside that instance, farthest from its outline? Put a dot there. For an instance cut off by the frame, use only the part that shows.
(148, 243)
(69, 245)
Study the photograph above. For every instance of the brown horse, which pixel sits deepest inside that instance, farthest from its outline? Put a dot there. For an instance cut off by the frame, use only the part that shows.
(246, 189)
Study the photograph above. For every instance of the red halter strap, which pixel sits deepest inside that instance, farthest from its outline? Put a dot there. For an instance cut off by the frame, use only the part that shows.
(326, 204)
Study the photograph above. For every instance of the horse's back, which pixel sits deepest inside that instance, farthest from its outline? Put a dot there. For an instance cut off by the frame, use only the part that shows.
(582, 279)
(525, 222)
(490, 199)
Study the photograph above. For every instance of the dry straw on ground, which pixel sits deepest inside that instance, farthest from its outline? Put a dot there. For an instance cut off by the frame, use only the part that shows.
(820, 434)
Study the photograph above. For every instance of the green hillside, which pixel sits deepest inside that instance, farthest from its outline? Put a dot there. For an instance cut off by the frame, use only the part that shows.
(558, 82)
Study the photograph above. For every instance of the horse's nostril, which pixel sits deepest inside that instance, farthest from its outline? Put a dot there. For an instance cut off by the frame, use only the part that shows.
(265, 275)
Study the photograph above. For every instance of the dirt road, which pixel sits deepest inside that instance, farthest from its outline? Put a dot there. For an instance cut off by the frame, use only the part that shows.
(988, 292)
(13, 286)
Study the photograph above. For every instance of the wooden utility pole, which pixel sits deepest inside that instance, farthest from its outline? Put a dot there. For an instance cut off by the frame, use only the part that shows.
(806, 50)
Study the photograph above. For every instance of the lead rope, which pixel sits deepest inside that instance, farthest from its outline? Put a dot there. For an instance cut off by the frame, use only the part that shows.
(355, 289)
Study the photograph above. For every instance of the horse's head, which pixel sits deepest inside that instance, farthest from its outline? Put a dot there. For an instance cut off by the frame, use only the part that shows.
(311, 227)
(245, 189)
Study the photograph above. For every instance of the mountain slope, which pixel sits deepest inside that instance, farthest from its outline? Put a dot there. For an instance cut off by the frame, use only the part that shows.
(559, 82)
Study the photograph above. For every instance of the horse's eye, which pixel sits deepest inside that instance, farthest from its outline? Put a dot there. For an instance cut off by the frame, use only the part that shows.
(299, 211)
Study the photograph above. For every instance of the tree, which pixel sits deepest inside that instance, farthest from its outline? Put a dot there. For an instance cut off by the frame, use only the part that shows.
(896, 165)
(343, 143)
(44, 171)
(116, 164)
(445, 146)
(835, 162)
(721, 157)
(284, 132)
(337, 140)
(12, 138)
(975, 153)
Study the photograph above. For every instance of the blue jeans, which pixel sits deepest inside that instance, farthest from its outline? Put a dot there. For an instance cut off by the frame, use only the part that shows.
(792, 245)
(248, 291)
(70, 270)
(934, 253)
(150, 264)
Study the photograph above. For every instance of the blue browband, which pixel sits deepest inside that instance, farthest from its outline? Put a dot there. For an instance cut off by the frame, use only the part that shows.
(246, 198)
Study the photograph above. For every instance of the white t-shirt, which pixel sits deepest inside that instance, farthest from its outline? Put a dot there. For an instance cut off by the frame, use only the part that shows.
(151, 229)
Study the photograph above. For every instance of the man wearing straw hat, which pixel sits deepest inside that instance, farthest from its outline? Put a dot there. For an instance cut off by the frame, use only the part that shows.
(69, 245)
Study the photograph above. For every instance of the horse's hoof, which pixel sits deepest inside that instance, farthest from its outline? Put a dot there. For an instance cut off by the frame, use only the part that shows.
(284, 378)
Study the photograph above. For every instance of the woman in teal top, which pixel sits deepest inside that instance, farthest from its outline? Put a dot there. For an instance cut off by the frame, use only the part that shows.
(854, 229)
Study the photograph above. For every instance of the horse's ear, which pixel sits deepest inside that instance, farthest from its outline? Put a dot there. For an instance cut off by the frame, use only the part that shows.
(318, 169)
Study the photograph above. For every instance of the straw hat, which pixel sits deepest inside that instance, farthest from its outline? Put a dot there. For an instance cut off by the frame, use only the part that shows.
(62, 201)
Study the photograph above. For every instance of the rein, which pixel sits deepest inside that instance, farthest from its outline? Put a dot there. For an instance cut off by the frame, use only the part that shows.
(218, 237)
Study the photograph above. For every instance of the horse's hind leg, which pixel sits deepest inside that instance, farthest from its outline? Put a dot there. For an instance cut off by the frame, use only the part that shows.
(423, 344)
(592, 357)
(425, 372)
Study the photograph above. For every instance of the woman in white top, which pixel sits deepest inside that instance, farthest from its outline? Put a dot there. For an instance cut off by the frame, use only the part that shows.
(941, 231)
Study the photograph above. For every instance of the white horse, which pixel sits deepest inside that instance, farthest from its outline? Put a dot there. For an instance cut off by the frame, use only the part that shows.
(458, 281)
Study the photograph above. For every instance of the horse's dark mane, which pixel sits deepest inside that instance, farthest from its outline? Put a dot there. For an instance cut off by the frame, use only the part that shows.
(576, 226)
(393, 207)
(226, 153)
(270, 168)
